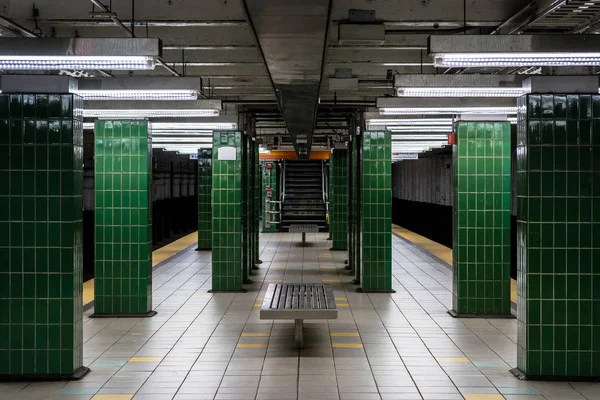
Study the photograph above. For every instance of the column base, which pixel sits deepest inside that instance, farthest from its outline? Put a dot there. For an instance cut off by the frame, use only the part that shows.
(348, 268)
(346, 261)
(334, 249)
(524, 377)
(454, 314)
(258, 262)
(149, 314)
(361, 290)
(203, 249)
(228, 291)
(75, 376)
(248, 282)
(355, 281)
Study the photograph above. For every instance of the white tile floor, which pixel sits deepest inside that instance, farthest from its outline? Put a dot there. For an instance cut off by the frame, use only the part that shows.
(203, 346)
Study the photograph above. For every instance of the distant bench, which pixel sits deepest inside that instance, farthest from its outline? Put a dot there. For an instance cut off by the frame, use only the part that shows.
(303, 228)
(299, 302)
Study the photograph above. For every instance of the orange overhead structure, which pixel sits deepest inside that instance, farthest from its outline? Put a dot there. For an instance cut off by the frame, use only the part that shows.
(291, 155)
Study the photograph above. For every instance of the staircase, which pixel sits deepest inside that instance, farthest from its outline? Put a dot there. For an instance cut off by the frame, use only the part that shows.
(303, 194)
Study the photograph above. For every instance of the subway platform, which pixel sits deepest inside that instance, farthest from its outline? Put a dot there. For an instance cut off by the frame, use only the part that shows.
(399, 346)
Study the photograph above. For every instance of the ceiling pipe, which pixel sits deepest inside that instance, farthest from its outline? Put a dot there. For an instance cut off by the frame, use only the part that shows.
(149, 23)
(16, 28)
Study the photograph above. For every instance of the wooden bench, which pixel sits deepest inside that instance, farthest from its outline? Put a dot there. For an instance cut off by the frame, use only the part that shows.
(303, 228)
(298, 302)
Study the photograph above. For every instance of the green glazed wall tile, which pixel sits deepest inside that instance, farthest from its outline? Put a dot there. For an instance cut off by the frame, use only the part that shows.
(557, 231)
(339, 227)
(204, 199)
(123, 265)
(227, 266)
(481, 281)
(376, 221)
(41, 159)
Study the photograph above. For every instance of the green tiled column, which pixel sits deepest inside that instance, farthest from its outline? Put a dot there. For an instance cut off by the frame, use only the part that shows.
(558, 235)
(227, 213)
(246, 243)
(257, 205)
(204, 199)
(351, 202)
(330, 198)
(376, 256)
(123, 242)
(481, 248)
(356, 206)
(340, 199)
(41, 170)
(269, 177)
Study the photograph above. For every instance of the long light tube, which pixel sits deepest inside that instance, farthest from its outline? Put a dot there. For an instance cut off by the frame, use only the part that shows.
(471, 60)
(76, 62)
(194, 125)
(411, 121)
(448, 110)
(460, 92)
(138, 94)
(184, 140)
(447, 129)
(149, 113)
(193, 132)
(419, 137)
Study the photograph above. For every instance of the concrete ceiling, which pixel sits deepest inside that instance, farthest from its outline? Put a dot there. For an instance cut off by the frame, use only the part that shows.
(215, 40)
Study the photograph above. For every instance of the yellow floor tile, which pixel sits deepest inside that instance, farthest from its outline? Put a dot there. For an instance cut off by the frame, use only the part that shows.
(145, 359)
(341, 299)
(347, 345)
(342, 304)
(454, 359)
(327, 267)
(252, 346)
(256, 334)
(331, 281)
(113, 397)
(475, 396)
(259, 299)
(257, 304)
(345, 334)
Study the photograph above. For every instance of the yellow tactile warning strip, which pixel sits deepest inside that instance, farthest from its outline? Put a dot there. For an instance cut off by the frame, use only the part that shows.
(145, 359)
(256, 334)
(158, 256)
(475, 396)
(251, 346)
(347, 345)
(440, 251)
(113, 397)
(345, 334)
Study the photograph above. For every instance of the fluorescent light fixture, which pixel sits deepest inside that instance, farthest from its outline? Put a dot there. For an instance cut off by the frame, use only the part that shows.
(185, 140)
(411, 122)
(139, 88)
(418, 143)
(148, 113)
(460, 92)
(420, 128)
(419, 137)
(463, 85)
(166, 132)
(190, 126)
(500, 51)
(151, 109)
(448, 110)
(445, 106)
(79, 53)
(138, 94)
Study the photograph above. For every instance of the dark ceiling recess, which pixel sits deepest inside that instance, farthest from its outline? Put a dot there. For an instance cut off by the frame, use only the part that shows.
(292, 37)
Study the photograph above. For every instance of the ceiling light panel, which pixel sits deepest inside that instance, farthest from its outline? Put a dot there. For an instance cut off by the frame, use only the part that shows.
(148, 113)
(445, 106)
(139, 88)
(474, 85)
(500, 51)
(79, 53)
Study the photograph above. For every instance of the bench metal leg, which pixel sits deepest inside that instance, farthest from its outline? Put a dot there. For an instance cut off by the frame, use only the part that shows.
(299, 329)
(303, 238)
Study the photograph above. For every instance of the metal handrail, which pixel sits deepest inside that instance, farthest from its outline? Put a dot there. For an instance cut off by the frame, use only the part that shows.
(283, 182)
